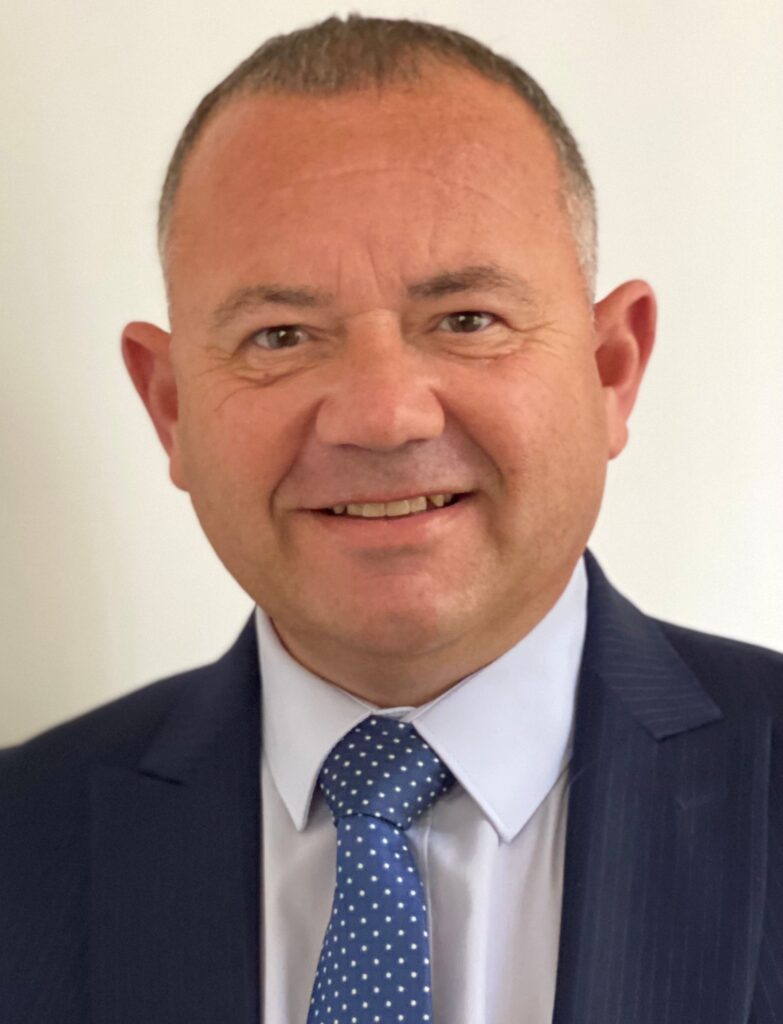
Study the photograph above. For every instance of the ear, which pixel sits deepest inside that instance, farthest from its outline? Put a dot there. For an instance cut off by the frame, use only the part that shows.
(625, 335)
(146, 350)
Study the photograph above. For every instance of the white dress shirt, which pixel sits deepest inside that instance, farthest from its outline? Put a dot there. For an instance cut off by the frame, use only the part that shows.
(490, 852)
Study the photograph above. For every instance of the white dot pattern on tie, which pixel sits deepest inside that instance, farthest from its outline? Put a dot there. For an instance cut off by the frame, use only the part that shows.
(374, 966)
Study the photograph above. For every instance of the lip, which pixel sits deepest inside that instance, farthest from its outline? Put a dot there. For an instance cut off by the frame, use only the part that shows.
(394, 531)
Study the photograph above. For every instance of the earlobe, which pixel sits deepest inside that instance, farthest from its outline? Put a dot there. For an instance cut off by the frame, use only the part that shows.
(147, 356)
(625, 335)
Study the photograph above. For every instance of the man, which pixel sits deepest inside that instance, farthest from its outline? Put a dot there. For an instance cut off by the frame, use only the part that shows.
(392, 399)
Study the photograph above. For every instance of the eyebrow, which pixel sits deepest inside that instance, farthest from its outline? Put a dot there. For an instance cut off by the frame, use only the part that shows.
(255, 295)
(487, 276)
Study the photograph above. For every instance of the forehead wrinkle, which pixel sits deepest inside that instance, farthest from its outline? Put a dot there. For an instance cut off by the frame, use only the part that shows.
(508, 191)
(359, 272)
(278, 197)
(500, 198)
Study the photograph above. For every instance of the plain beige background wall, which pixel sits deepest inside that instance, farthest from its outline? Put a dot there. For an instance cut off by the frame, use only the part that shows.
(107, 581)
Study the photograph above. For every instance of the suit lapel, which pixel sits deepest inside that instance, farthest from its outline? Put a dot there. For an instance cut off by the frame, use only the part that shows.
(664, 868)
(174, 911)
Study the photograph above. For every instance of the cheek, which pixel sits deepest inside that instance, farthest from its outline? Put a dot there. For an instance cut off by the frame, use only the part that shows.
(236, 446)
(542, 423)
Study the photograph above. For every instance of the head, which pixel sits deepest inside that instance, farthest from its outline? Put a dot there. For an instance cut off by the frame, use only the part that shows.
(378, 244)
(335, 57)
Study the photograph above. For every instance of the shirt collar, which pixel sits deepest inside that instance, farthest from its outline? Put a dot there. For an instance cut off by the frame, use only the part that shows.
(504, 731)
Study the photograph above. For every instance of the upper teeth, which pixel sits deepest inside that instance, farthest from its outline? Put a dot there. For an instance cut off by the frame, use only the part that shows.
(378, 509)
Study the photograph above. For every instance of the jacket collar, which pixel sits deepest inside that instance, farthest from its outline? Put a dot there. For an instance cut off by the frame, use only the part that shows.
(627, 652)
(215, 702)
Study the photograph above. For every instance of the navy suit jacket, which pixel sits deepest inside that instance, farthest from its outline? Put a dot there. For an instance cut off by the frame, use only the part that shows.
(129, 842)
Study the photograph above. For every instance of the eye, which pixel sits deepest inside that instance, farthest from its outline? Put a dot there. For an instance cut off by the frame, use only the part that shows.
(272, 339)
(468, 321)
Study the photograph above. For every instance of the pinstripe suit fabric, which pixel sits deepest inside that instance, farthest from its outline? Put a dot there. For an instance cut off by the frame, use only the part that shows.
(129, 842)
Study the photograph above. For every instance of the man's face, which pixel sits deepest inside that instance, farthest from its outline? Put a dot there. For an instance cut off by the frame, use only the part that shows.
(376, 297)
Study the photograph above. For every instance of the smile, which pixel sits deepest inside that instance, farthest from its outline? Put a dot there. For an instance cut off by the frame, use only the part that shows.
(392, 509)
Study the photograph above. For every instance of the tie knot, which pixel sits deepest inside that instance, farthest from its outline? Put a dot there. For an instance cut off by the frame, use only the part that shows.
(384, 769)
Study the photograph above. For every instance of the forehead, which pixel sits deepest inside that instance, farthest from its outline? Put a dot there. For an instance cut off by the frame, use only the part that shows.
(453, 155)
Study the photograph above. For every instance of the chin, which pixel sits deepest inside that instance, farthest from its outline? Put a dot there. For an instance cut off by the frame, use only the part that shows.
(404, 631)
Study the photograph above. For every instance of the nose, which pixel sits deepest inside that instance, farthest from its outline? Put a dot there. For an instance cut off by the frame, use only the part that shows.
(383, 394)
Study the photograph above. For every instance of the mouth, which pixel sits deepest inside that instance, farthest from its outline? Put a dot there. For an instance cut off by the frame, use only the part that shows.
(402, 508)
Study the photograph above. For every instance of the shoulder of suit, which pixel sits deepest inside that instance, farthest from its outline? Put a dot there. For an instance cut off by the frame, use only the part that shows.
(117, 732)
(740, 677)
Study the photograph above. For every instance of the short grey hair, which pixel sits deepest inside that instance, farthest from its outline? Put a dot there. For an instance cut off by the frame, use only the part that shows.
(334, 56)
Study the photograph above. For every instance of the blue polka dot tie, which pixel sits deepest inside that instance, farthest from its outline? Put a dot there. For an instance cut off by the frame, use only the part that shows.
(375, 963)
